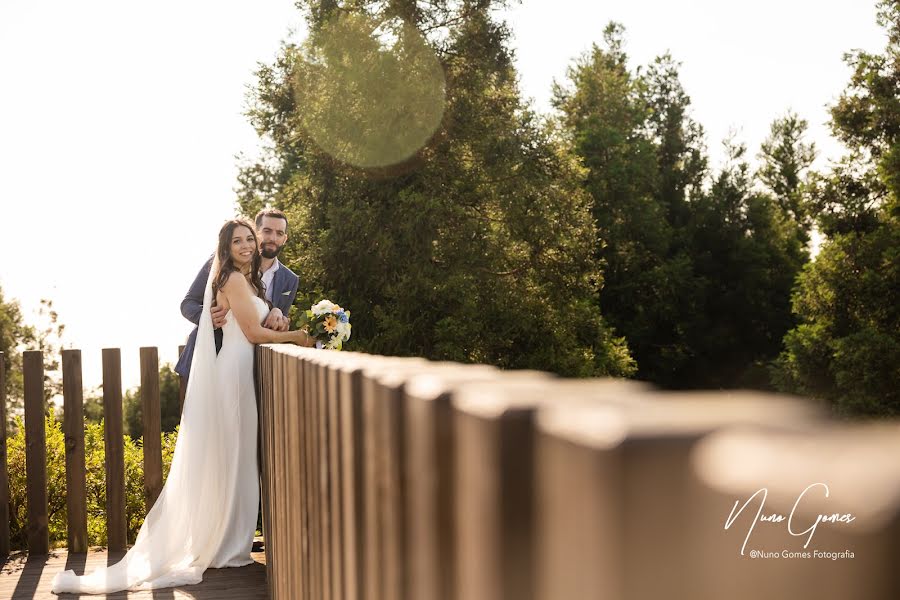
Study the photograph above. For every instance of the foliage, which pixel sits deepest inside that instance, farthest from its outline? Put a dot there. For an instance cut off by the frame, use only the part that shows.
(846, 348)
(95, 482)
(14, 334)
(479, 246)
(169, 404)
(17, 336)
(698, 267)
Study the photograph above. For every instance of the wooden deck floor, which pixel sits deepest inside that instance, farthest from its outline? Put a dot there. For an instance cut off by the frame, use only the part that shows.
(28, 578)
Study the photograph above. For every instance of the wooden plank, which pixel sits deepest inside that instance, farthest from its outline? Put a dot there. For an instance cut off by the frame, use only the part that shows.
(37, 528)
(116, 525)
(352, 506)
(305, 469)
(282, 507)
(324, 474)
(73, 429)
(858, 464)
(280, 565)
(29, 577)
(152, 426)
(264, 354)
(370, 524)
(4, 473)
(309, 489)
(291, 427)
(622, 460)
(430, 555)
(494, 478)
(335, 466)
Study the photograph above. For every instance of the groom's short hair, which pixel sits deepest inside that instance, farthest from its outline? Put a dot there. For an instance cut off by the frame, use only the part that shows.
(270, 212)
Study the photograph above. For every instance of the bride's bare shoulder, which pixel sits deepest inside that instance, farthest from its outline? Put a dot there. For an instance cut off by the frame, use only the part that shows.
(235, 281)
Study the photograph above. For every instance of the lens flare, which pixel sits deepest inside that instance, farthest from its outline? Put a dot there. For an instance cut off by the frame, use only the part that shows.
(369, 93)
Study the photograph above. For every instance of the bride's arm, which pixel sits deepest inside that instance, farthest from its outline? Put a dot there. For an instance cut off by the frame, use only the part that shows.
(240, 299)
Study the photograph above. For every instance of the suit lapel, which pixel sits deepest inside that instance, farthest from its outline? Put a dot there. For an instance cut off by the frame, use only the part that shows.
(278, 288)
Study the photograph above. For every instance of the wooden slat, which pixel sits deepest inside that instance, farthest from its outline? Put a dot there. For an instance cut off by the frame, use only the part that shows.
(352, 507)
(370, 525)
(430, 556)
(152, 427)
(116, 525)
(494, 478)
(335, 466)
(325, 517)
(307, 551)
(291, 425)
(4, 474)
(73, 429)
(264, 354)
(858, 464)
(37, 528)
(625, 459)
(281, 508)
(312, 477)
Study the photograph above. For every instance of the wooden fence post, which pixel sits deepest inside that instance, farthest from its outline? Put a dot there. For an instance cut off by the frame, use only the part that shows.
(73, 429)
(38, 531)
(4, 474)
(116, 525)
(152, 428)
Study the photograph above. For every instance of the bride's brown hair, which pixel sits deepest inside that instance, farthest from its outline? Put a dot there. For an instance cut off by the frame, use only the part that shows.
(226, 264)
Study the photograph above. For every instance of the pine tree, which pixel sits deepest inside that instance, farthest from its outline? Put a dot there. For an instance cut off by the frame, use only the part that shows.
(477, 246)
(847, 347)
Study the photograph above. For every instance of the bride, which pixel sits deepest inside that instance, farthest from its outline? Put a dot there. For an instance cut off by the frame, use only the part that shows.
(205, 515)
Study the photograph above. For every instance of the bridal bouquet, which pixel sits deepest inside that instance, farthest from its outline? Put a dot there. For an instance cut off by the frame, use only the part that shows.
(328, 323)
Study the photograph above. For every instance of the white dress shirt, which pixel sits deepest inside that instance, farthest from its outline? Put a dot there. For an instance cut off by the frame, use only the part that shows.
(267, 278)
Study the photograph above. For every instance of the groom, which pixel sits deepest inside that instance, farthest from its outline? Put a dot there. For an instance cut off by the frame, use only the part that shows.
(281, 286)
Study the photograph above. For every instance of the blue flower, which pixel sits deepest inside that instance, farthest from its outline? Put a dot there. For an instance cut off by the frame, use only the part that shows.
(342, 316)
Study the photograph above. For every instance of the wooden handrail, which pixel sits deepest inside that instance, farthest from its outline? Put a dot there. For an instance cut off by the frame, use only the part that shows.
(403, 479)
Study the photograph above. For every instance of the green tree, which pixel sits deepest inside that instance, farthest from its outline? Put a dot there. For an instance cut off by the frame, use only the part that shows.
(846, 348)
(629, 132)
(746, 252)
(14, 335)
(478, 246)
(169, 404)
(786, 158)
(697, 267)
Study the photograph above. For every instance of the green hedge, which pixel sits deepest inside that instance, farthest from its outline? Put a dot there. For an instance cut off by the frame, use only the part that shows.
(96, 482)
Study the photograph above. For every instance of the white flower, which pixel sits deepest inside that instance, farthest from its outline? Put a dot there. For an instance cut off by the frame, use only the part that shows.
(323, 307)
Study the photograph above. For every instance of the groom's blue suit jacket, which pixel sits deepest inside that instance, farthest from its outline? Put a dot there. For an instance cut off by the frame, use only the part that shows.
(284, 290)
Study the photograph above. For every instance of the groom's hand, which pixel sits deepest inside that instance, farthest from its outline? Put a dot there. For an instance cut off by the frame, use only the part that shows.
(276, 321)
(218, 316)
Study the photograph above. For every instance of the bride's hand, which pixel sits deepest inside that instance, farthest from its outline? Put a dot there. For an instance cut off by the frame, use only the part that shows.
(302, 338)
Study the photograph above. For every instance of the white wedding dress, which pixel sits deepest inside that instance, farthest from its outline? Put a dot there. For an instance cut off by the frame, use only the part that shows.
(205, 515)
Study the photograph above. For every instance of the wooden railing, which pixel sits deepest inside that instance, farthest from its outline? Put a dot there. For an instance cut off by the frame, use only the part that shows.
(37, 525)
(402, 479)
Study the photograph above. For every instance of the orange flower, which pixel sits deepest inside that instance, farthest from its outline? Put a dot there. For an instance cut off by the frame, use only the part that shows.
(330, 323)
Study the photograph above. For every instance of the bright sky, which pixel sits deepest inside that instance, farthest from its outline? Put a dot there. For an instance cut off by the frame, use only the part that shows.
(120, 122)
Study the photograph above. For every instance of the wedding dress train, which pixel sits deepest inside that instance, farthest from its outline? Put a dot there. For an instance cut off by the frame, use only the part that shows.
(205, 515)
